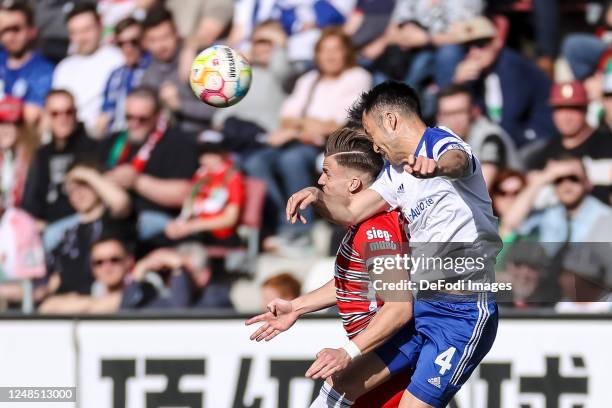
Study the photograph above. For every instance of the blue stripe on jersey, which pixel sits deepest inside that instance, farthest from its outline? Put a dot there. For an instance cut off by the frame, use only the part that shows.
(430, 137)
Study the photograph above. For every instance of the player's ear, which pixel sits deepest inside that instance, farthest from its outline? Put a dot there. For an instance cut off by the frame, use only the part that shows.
(389, 121)
(355, 185)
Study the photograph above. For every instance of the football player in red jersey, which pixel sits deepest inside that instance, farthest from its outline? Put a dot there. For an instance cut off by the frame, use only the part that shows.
(350, 166)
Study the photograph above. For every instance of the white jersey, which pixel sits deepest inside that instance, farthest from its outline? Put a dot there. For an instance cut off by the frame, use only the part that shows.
(441, 210)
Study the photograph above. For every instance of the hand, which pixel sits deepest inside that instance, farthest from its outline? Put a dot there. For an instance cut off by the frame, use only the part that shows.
(178, 229)
(467, 70)
(328, 362)
(300, 201)
(412, 36)
(169, 96)
(279, 317)
(421, 167)
(124, 176)
(282, 136)
(81, 174)
(163, 258)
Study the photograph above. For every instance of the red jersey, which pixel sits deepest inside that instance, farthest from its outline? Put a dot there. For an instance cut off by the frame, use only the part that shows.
(355, 296)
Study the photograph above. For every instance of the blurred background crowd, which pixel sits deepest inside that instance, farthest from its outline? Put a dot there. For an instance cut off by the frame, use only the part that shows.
(119, 190)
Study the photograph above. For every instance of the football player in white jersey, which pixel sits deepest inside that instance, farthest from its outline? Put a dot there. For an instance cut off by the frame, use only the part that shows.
(434, 179)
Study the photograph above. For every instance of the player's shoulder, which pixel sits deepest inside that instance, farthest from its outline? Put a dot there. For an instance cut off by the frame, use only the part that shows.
(386, 225)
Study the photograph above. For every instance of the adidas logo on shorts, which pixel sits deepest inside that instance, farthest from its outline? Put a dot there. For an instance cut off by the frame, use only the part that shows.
(435, 381)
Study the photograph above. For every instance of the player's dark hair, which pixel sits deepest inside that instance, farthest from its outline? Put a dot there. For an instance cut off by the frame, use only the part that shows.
(125, 23)
(62, 92)
(392, 95)
(83, 8)
(20, 6)
(146, 92)
(355, 115)
(354, 150)
(156, 16)
(453, 90)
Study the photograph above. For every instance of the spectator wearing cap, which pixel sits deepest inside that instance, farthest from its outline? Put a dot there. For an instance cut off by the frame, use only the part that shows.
(511, 90)
(128, 37)
(111, 262)
(586, 279)
(569, 101)
(86, 72)
(24, 72)
(161, 39)
(151, 160)
(178, 278)
(44, 197)
(576, 216)
(100, 208)
(17, 147)
(211, 212)
(490, 143)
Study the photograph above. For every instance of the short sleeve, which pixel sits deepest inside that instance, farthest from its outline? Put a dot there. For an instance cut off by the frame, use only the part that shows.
(441, 140)
(384, 186)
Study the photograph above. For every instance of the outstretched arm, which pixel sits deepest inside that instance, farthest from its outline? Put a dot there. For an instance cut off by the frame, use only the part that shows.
(282, 314)
(359, 207)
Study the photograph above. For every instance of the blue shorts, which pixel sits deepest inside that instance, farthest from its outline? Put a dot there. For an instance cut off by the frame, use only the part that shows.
(450, 337)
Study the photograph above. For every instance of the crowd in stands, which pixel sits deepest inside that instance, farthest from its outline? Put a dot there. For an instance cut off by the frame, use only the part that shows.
(120, 190)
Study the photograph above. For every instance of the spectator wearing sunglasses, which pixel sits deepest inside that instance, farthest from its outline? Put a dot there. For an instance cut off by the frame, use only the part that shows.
(511, 90)
(151, 160)
(128, 37)
(44, 197)
(111, 262)
(569, 101)
(573, 219)
(24, 73)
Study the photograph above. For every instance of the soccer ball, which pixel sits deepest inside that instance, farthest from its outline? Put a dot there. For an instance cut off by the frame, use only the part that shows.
(220, 76)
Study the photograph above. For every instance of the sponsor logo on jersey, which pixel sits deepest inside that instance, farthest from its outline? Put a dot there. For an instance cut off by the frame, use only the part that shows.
(374, 233)
(419, 208)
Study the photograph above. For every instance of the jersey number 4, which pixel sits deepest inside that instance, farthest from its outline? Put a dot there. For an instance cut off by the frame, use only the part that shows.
(444, 360)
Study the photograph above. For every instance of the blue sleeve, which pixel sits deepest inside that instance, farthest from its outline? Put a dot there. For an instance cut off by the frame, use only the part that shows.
(108, 105)
(39, 85)
(440, 140)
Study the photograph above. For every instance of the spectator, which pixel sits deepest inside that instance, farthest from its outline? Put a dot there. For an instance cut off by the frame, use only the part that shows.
(128, 37)
(111, 262)
(510, 89)
(169, 278)
(270, 66)
(86, 72)
(316, 107)
(211, 213)
(44, 197)
(569, 101)
(162, 41)
(492, 146)
(585, 51)
(17, 146)
(282, 286)
(574, 219)
(527, 269)
(247, 15)
(585, 279)
(424, 29)
(504, 189)
(368, 21)
(152, 161)
(100, 205)
(24, 73)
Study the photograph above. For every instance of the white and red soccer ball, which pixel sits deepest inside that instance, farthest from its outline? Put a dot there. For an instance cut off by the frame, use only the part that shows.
(220, 76)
